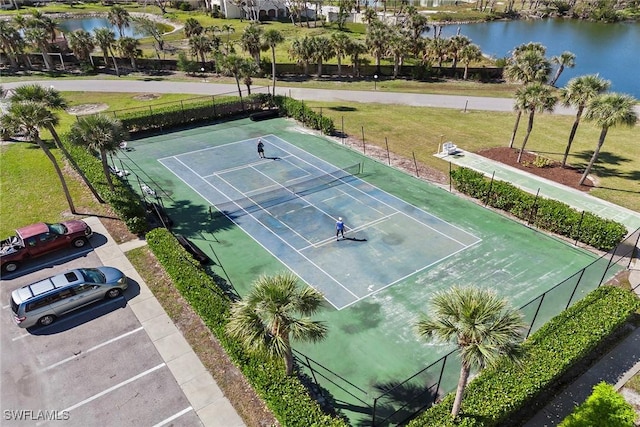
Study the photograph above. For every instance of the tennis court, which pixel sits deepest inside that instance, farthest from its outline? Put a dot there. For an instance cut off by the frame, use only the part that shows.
(409, 239)
(290, 201)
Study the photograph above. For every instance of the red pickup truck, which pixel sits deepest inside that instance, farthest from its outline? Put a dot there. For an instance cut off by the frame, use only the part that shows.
(39, 239)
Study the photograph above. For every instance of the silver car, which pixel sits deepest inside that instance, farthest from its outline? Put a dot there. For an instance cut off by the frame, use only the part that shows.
(42, 302)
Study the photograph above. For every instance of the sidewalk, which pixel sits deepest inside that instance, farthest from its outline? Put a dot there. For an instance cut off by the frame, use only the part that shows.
(204, 395)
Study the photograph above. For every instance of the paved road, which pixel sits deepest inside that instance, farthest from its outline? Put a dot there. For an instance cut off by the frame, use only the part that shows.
(204, 88)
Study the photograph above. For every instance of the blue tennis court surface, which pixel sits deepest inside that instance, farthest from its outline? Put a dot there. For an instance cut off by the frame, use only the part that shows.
(290, 201)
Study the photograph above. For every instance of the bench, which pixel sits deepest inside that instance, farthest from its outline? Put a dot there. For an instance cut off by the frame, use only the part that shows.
(449, 148)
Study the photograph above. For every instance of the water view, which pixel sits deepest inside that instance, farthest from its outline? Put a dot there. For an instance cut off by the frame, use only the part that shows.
(90, 24)
(612, 50)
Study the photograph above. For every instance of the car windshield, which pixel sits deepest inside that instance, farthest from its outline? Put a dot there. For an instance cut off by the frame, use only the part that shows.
(57, 228)
(93, 275)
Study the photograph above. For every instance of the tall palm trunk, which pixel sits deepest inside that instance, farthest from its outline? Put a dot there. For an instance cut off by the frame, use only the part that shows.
(465, 370)
(515, 128)
(288, 358)
(53, 160)
(239, 89)
(273, 68)
(71, 160)
(526, 137)
(572, 135)
(596, 153)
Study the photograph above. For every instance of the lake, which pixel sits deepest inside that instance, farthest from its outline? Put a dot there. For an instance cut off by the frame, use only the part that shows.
(611, 50)
(90, 24)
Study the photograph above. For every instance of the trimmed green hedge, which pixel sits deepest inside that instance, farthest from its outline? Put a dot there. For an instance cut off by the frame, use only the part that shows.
(546, 214)
(124, 201)
(604, 408)
(296, 109)
(496, 395)
(179, 113)
(285, 396)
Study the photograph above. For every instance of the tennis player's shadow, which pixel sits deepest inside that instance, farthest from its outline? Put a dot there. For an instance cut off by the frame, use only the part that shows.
(273, 158)
(354, 239)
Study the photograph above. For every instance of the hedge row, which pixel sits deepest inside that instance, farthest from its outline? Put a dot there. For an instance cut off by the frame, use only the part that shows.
(285, 395)
(124, 201)
(177, 114)
(547, 214)
(549, 353)
(296, 109)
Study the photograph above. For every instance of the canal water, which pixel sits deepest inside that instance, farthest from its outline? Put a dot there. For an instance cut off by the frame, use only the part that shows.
(90, 24)
(611, 50)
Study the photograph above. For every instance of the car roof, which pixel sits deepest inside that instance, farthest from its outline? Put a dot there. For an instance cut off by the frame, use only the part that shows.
(33, 229)
(46, 285)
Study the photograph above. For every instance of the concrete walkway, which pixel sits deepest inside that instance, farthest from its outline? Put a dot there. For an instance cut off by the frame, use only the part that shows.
(549, 189)
(204, 395)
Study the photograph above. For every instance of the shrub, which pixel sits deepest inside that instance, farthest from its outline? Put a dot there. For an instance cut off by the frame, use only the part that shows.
(549, 353)
(547, 214)
(604, 408)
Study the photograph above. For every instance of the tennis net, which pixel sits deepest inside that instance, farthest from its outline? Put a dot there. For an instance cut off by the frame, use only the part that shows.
(295, 189)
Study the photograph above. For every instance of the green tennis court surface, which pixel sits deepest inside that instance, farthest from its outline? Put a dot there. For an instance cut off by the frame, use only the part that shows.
(289, 203)
(420, 239)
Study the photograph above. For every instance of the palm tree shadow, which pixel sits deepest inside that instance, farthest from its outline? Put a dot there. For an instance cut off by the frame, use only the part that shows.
(605, 166)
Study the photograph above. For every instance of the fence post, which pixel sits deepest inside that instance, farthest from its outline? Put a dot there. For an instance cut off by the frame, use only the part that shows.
(373, 415)
(364, 145)
(575, 288)
(633, 251)
(444, 363)
(486, 199)
(608, 265)
(342, 130)
(388, 156)
(415, 163)
(578, 233)
(535, 200)
(533, 321)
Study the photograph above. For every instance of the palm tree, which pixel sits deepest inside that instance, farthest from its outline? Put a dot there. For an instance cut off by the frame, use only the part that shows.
(200, 46)
(436, 48)
(468, 54)
(232, 64)
(128, 47)
(11, 42)
(28, 117)
(251, 41)
(51, 99)
(40, 38)
(340, 43)
(268, 318)
(527, 65)
(399, 45)
(192, 27)
(322, 51)
(482, 326)
(301, 51)
(377, 41)
(248, 69)
(40, 20)
(228, 30)
(578, 92)
(101, 134)
(534, 97)
(608, 110)
(456, 44)
(106, 39)
(119, 17)
(272, 38)
(356, 50)
(565, 60)
(82, 44)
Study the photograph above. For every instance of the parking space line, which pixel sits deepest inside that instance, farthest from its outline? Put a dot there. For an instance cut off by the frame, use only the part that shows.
(19, 337)
(173, 417)
(115, 387)
(112, 340)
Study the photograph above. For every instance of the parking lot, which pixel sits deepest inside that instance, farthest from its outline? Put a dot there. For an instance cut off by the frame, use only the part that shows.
(96, 366)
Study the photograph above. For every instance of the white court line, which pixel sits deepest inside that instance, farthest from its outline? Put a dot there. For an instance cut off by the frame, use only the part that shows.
(379, 189)
(112, 340)
(233, 169)
(173, 417)
(115, 387)
(351, 230)
(263, 225)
